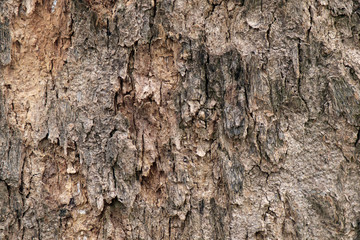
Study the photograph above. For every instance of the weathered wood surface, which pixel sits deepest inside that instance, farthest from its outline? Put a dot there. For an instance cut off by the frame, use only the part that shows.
(179, 119)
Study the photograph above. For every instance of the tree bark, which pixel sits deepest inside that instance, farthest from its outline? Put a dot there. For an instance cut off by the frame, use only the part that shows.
(179, 119)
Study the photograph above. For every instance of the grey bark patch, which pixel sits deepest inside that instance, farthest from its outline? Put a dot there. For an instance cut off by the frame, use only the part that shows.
(345, 102)
(10, 150)
(5, 43)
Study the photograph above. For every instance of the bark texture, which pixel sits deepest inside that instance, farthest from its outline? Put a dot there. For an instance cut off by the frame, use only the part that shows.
(179, 119)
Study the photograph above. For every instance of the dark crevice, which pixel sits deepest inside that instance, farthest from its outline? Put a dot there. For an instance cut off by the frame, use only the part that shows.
(207, 77)
(138, 174)
(268, 35)
(311, 22)
(72, 32)
(129, 78)
(39, 229)
(8, 191)
(258, 142)
(213, 6)
(46, 92)
(21, 190)
(121, 83)
(154, 9)
(161, 84)
(108, 33)
(169, 228)
(114, 176)
(116, 96)
(8, 150)
(142, 147)
(136, 130)
(113, 132)
(357, 138)
(268, 31)
(299, 53)
(201, 206)
(153, 30)
(246, 86)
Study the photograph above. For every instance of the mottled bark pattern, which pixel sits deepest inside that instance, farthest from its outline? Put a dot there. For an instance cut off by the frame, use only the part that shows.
(179, 119)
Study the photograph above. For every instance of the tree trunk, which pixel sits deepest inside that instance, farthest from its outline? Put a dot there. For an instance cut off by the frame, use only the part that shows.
(179, 119)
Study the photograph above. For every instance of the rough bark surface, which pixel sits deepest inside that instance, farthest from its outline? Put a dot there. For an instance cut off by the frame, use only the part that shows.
(179, 119)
